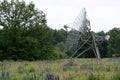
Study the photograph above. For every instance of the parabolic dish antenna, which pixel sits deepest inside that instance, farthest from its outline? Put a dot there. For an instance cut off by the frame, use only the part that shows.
(80, 35)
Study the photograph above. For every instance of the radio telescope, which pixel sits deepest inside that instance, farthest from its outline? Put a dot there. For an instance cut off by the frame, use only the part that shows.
(80, 34)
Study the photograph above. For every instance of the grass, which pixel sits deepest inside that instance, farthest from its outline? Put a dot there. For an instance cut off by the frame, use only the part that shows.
(80, 69)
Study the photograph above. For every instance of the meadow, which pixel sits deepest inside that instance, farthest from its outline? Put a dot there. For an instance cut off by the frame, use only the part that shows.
(79, 69)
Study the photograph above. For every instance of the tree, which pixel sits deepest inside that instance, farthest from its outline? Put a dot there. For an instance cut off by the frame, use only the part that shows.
(114, 42)
(19, 15)
(59, 36)
(25, 34)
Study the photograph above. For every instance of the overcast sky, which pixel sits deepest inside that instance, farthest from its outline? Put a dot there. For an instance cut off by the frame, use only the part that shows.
(103, 14)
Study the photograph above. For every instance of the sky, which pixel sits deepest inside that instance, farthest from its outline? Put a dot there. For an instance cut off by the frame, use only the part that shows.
(103, 14)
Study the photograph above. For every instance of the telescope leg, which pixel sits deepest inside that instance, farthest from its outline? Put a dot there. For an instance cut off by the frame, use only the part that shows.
(96, 47)
(97, 50)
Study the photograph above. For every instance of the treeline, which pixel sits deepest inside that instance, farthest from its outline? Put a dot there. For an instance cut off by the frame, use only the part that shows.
(24, 35)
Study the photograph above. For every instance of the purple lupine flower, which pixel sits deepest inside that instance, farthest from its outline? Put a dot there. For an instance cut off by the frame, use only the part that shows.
(50, 76)
(20, 67)
(4, 75)
(8, 74)
(91, 72)
(70, 63)
(66, 65)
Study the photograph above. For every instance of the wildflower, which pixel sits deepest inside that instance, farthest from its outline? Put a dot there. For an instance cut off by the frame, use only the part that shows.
(70, 63)
(4, 75)
(20, 67)
(91, 73)
(50, 76)
(8, 74)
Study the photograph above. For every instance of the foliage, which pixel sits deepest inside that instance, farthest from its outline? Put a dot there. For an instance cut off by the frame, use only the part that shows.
(59, 49)
(59, 42)
(25, 34)
(59, 36)
(113, 44)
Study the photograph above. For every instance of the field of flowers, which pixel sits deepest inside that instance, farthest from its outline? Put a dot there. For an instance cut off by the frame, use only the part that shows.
(79, 69)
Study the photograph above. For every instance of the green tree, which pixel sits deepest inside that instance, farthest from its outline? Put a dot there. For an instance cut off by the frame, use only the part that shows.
(59, 42)
(59, 36)
(25, 34)
(19, 15)
(114, 42)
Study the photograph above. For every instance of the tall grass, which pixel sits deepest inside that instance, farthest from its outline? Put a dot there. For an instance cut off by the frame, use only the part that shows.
(80, 69)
